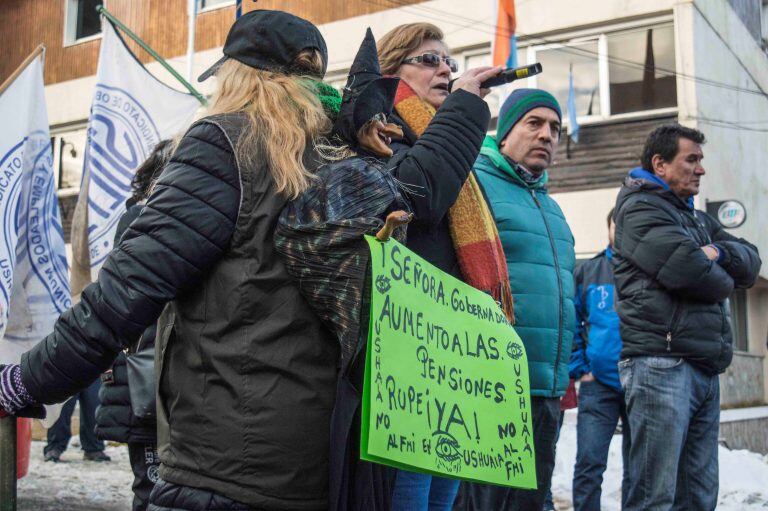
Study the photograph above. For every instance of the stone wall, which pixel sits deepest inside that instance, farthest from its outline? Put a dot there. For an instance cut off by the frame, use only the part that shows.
(746, 434)
(742, 384)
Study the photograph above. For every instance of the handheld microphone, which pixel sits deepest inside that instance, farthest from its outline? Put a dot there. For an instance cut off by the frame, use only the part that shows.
(508, 76)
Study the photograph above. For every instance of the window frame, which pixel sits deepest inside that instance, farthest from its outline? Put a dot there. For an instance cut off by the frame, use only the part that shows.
(221, 5)
(602, 70)
(70, 26)
(65, 133)
(528, 46)
(735, 330)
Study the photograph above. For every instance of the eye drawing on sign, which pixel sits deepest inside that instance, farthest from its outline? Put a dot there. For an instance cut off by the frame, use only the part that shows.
(382, 284)
(514, 350)
(447, 452)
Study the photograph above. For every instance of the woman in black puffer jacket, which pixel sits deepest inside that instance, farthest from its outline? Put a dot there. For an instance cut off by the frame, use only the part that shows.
(246, 372)
(115, 419)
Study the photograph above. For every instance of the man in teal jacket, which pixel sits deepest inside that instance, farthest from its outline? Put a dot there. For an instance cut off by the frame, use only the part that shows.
(538, 244)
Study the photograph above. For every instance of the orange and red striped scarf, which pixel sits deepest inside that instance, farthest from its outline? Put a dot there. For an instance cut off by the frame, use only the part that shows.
(473, 230)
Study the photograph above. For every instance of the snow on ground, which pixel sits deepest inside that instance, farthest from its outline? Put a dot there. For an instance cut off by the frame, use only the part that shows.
(76, 484)
(743, 475)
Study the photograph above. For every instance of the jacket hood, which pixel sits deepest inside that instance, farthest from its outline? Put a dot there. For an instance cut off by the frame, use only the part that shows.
(640, 180)
(490, 150)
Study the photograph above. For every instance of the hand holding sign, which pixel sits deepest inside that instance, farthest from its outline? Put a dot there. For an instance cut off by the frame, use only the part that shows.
(446, 385)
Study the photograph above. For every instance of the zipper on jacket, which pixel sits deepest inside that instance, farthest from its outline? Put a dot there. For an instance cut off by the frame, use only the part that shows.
(672, 324)
(559, 287)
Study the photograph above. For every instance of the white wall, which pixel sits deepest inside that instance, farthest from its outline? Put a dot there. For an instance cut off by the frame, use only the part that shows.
(586, 213)
(714, 44)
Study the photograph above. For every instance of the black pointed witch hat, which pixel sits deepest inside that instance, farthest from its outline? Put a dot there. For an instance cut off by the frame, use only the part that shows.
(366, 92)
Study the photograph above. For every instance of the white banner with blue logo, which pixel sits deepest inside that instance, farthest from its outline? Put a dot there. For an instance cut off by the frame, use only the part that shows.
(34, 278)
(131, 112)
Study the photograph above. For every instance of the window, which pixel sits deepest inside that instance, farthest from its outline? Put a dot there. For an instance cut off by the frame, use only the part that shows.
(558, 61)
(82, 20)
(613, 73)
(68, 152)
(738, 304)
(642, 86)
(213, 4)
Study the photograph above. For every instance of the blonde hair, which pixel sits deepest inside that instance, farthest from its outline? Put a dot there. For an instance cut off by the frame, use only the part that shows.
(284, 113)
(396, 44)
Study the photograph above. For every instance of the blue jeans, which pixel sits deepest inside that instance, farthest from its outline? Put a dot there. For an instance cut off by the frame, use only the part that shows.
(417, 492)
(674, 419)
(61, 431)
(600, 408)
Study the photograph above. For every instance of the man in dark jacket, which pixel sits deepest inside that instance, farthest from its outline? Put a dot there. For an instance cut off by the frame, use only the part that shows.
(675, 268)
(594, 360)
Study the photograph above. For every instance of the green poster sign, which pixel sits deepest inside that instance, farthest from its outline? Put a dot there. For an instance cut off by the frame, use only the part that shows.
(446, 381)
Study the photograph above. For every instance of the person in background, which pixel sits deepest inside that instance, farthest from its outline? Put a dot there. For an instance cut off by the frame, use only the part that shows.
(675, 268)
(594, 363)
(59, 434)
(539, 248)
(443, 131)
(115, 419)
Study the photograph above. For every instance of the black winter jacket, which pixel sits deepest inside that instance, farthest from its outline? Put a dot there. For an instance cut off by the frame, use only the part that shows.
(434, 168)
(672, 298)
(114, 416)
(184, 232)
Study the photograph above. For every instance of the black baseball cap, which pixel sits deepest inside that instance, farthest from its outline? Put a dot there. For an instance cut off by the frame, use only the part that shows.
(270, 40)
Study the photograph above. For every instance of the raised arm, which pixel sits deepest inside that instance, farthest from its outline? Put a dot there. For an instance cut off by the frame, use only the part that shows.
(437, 165)
(435, 168)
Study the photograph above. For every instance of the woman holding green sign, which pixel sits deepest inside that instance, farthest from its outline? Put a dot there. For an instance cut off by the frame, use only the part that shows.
(443, 133)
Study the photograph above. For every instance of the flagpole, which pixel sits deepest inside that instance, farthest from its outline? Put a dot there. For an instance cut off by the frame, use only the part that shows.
(191, 21)
(101, 10)
(8, 463)
(8, 424)
(32, 56)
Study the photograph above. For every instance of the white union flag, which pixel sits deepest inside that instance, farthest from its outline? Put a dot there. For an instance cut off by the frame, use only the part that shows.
(131, 112)
(34, 280)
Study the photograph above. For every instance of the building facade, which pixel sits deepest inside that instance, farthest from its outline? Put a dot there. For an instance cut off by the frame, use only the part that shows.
(635, 65)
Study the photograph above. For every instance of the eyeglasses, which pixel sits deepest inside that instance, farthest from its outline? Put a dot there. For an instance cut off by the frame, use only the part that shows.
(433, 60)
